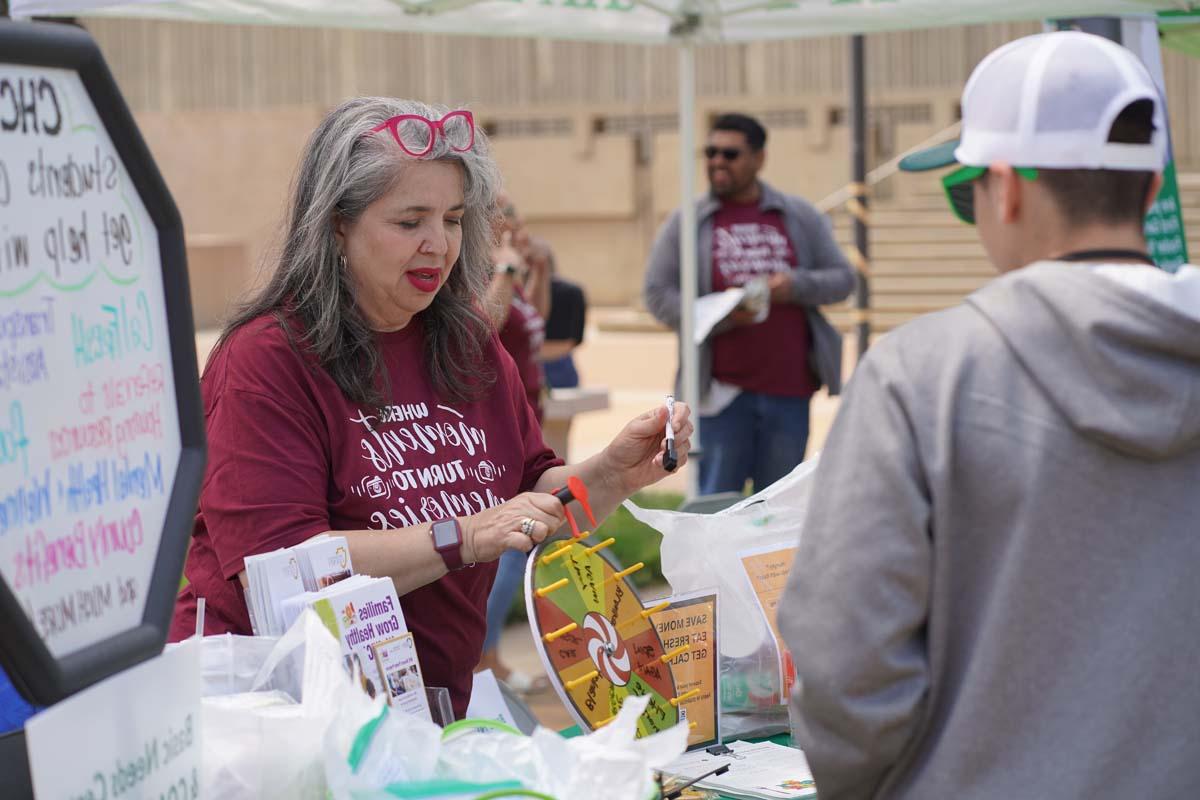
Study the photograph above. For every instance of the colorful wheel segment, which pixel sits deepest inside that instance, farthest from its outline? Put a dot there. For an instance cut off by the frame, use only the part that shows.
(596, 642)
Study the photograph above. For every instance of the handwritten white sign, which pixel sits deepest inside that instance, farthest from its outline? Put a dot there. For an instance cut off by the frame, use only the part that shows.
(89, 432)
(136, 734)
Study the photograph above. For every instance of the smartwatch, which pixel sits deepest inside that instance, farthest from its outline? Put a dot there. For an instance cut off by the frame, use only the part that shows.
(447, 540)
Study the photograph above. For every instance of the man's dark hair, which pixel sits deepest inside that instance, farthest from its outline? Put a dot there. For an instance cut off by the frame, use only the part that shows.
(752, 129)
(1106, 196)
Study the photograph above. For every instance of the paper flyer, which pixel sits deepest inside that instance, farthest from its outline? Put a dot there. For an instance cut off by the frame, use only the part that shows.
(767, 569)
(712, 308)
(763, 771)
(400, 675)
(691, 621)
(361, 611)
(487, 702)
(273, 578)
(324, 561)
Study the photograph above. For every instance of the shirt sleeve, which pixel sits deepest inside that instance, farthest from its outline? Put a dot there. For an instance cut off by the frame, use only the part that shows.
(854, 618)
(829, 278)
(660, 288)
(268, 475)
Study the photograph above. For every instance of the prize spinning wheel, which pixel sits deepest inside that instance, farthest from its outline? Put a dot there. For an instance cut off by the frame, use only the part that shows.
(595, 638)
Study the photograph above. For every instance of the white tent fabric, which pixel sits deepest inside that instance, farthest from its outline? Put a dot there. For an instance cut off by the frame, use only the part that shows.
(685, 22)
(644, 21)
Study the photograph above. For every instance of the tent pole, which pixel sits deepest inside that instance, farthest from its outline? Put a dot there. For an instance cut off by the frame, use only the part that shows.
(860, 192)
(688, 353)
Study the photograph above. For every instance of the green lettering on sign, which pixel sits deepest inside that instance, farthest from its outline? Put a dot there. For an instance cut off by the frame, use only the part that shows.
(1164, 225)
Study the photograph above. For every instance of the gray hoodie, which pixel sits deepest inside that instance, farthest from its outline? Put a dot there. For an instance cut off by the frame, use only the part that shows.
(997, 592)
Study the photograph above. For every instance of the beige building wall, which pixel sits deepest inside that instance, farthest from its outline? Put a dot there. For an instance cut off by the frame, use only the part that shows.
(585, 133)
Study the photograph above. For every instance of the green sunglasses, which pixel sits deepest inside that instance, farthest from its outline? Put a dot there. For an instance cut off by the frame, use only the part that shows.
(962, 197)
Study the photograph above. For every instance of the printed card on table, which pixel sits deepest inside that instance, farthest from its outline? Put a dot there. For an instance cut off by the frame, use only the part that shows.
(768, 569)
(690, 621)
(400, 675)
(324, 560)
(359, 611)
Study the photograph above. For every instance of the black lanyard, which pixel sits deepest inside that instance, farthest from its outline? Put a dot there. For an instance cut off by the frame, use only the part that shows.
(1107, 256)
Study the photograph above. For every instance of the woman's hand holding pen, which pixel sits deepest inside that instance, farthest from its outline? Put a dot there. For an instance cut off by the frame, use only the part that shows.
(634, 459)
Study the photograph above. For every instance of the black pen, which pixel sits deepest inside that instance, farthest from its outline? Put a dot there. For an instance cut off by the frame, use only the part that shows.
(670, 458)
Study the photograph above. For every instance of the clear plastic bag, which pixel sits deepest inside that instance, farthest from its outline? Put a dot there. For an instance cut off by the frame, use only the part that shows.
(395, 755)
(229, 663)
(697, 553)
(268, 703)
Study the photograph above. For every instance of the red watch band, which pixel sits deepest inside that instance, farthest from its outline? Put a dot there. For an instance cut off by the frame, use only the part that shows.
(450, 548)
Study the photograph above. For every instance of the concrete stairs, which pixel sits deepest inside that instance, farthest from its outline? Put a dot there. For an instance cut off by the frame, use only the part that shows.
(923, 259)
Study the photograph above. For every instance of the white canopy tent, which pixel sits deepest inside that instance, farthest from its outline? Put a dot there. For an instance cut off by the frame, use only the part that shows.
(685, 23)
(644, 21)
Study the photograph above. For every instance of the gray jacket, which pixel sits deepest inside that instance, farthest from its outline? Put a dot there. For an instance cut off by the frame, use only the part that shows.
(996, 591)
(822, 277)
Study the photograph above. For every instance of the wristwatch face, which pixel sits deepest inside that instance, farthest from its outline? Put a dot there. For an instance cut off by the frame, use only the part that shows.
(445, 534)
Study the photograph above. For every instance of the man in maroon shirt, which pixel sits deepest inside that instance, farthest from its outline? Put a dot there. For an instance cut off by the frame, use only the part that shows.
(757, 374)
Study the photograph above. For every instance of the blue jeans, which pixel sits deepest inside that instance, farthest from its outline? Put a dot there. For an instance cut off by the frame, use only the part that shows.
(509, 575)
(561, 373)
(757, 436)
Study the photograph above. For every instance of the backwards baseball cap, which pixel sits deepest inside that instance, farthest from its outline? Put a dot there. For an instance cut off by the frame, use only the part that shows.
(1047, 101)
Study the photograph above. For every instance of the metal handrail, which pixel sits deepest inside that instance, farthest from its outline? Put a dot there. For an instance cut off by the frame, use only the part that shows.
(884, 171)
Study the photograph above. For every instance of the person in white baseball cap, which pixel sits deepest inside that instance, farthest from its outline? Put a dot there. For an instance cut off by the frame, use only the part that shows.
(998, 591)
(1062, 101)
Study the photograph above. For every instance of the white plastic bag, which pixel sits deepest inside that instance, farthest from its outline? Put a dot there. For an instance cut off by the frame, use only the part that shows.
(264, 734)
(396, 755)
(702, 552)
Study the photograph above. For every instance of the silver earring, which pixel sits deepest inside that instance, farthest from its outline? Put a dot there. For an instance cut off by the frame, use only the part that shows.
(342, 260)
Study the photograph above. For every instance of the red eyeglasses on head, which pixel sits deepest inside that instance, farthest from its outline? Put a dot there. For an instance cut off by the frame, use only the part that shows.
(416, 135)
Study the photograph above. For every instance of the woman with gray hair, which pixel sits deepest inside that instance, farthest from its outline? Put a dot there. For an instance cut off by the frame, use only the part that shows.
(363, 391)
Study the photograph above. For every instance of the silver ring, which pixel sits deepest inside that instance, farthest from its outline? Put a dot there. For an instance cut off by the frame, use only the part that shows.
(527, 527)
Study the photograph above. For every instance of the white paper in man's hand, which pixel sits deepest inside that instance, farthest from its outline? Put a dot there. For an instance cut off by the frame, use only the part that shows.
(712, 308)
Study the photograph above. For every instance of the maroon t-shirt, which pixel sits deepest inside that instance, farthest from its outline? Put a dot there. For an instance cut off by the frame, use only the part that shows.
(772, 356)
(290, 457)
(522, 336)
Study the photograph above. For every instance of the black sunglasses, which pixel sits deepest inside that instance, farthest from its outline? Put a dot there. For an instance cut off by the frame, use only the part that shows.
(727, 153)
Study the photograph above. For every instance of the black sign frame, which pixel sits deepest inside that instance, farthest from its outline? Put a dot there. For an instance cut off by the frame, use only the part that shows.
(34, 671)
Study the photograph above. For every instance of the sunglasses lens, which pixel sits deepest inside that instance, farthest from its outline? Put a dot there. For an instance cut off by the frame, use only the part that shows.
(459, 131)
(415, 135)
(727, 153)
(962, 201)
